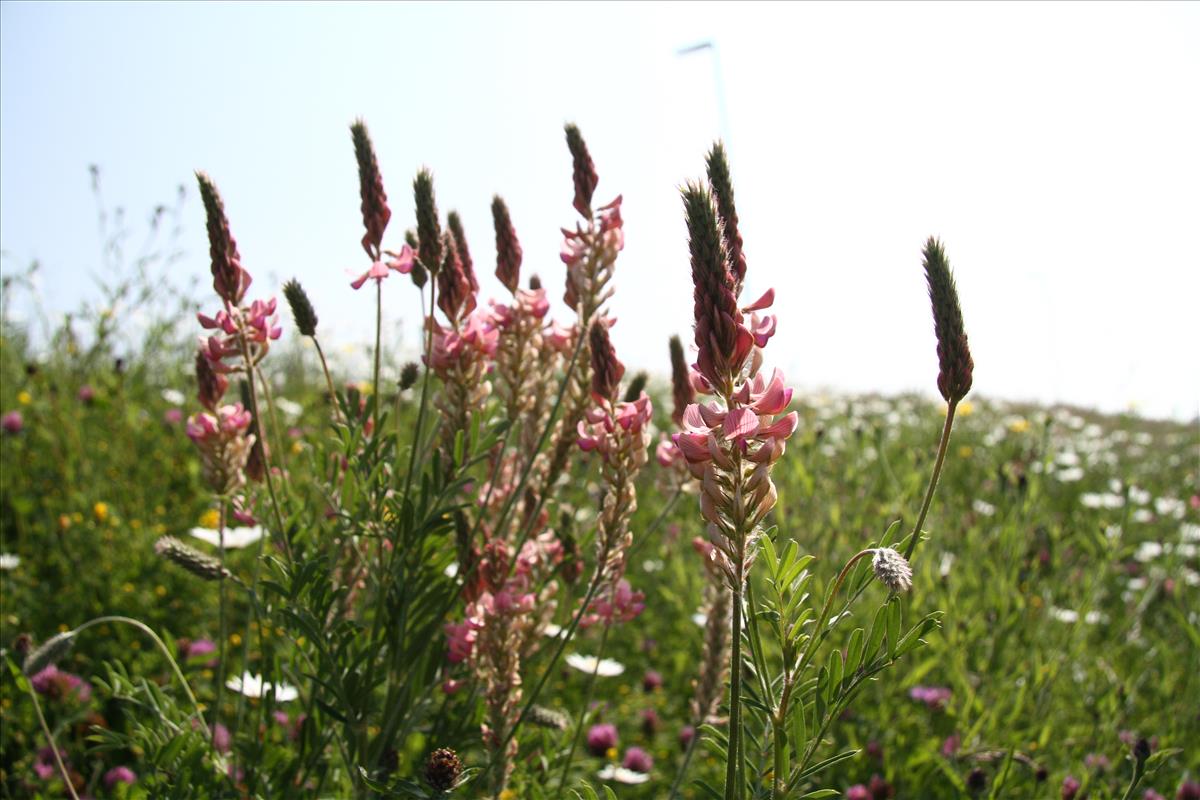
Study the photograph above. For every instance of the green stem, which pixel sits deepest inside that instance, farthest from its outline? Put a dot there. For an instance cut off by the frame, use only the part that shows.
(583, 710)
(378, 332)
(933, 479)
(144, 628)
(732, 789)
(333, 398)
(683, 768)
(62, 768)
(221, 620)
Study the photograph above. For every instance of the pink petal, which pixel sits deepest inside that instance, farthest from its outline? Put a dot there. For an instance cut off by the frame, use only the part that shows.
(740, 423)
(763, 302)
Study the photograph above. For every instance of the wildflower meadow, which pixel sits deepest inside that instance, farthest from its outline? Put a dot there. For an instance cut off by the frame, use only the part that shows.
(234, 565)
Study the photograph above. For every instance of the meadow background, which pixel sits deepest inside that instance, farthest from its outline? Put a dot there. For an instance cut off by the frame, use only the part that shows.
(1064, 540)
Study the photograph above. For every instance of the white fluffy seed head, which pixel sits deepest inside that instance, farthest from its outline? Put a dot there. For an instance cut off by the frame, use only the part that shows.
(892, 569)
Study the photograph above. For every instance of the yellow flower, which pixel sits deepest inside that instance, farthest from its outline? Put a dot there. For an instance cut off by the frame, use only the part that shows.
(1019, 425)
(611, 753)
(235, 639)
(508, 794)
(297, 448)
(210, 519)
(64, 521)
(100, 511)
(966, 408)
(24, 398)
(127, 588)
(965, 451)
(160, 591)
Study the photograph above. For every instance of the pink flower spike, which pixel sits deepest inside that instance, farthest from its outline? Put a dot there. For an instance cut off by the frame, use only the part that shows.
(402, 262)
(765, 301)
(378, 271)
(740, 424)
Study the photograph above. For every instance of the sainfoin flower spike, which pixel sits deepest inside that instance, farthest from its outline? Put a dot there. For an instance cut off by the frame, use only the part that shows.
(955, 366)
(375, 211)
(229, 279)
(731, 443)
(508, 249)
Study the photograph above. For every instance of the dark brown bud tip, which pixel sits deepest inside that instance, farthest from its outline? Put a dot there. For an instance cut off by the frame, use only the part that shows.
(606, 368)
(955, 366)
(636, 386)
(454, 222)
(230, 281)
(722, 187)
(210, 384)
(682, 392)
(375, 211)
(408, 375)
(508, 249)
(429, 230)
(584, 171)
(302, 309)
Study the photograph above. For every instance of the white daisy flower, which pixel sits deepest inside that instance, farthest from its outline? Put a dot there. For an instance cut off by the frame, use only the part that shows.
(174, 397)
(700, 618)
(1101, 500)
(552, 630)
(1142, 515)
(9, 561)
(605, 668)
(621, 775)
(1070, 475)
(253, 686)
(1139, 495)
(290, 408)
(983, 508)
(1148, 551)
(235, 538)
(1189, 532)
(1169, 507)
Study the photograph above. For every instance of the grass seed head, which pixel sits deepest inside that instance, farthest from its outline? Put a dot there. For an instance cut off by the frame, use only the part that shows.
(189, 558)
(50, 652)
(302, 309)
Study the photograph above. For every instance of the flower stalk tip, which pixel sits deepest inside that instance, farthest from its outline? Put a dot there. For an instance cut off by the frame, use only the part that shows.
(50, 652)
(722, 187)
(429, 230)
(454, 222)
(508, 249)
(302, 309)
(230, 281)
(955, 366)
(607, 370)
(375, 210)
(189, 558)
(584, 171)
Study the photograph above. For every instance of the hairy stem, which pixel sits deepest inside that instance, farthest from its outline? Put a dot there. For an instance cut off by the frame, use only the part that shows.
(587, 699)
(62, 768)
(933, 479)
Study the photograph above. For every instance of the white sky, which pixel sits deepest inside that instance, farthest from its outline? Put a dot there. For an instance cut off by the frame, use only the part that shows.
(1052, 147)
